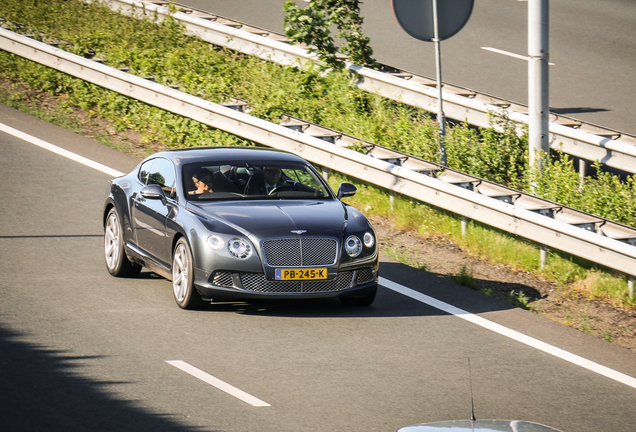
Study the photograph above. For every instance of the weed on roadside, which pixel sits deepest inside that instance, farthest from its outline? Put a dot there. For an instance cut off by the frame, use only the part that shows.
(585, 325)
(518, 299)
(464, 277)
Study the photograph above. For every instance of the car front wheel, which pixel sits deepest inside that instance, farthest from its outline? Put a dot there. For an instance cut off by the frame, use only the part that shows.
(185, 294)
(117, 262)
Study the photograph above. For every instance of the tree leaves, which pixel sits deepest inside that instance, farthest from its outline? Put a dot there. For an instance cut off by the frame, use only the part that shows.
(312, 26)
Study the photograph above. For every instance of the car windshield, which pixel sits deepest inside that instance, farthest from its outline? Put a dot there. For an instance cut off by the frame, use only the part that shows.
(252, 180)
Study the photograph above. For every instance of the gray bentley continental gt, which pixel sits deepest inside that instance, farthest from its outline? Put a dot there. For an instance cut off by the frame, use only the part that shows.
(239, 223)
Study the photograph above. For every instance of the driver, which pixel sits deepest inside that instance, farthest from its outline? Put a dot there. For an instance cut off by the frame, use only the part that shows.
(202, 180)
(266, 181)
(271, 176)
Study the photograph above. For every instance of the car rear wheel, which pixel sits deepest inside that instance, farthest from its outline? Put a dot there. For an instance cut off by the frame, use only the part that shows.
(185, 294)
(117, 262)
(360, 300)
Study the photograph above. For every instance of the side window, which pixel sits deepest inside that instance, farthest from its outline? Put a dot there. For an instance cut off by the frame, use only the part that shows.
(145, 170)
(162, 173)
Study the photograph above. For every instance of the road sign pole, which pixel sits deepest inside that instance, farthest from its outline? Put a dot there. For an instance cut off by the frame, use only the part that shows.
(440, 102)
(538, 81)
(415, 19)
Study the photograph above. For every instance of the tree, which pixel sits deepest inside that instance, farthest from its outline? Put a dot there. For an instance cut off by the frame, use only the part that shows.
(311, 26)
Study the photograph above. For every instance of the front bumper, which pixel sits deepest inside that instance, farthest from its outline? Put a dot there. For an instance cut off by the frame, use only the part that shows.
(236, 285)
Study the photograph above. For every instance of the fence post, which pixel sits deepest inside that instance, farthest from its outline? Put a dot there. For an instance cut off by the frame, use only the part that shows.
(582, 172)
(544, 256)
(325, 173)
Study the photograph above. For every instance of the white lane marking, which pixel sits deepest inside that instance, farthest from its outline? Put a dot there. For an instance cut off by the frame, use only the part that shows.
(460, 313)
(221, 385)
(512, 334)
(55, 149)
(509, 54)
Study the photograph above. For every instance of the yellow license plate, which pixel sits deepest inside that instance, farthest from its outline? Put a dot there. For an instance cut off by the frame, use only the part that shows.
(301, 274)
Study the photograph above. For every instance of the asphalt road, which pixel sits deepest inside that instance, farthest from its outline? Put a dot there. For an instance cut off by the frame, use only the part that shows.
(81, 350)
(592, 46)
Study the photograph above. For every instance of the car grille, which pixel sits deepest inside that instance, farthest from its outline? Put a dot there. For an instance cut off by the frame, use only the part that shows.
(258, 283)
(295, 252)
(364, 276)
(222, 279)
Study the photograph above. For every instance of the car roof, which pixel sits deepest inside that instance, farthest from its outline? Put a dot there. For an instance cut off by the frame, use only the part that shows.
(234, 154)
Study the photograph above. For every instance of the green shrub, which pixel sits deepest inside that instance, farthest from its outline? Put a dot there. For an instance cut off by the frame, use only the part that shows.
(311, 25)
(464, 277)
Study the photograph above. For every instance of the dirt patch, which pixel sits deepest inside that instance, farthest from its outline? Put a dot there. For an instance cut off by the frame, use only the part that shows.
(436, 255)
(442, 256)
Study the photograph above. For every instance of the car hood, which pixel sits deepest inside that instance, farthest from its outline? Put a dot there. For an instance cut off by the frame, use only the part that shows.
(276, 218)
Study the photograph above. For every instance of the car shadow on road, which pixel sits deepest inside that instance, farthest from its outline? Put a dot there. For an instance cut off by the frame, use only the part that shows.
(43, 390)
(388, 303)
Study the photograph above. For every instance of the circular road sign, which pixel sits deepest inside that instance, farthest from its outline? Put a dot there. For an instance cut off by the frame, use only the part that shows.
(416, 17)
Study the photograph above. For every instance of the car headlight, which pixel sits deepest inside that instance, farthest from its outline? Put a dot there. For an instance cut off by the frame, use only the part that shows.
(353, 246)
(239, 248)
(215, 242)
(368, 240)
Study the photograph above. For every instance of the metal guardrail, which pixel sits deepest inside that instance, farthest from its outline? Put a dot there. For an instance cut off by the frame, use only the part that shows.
(574, 232)
(576, 138)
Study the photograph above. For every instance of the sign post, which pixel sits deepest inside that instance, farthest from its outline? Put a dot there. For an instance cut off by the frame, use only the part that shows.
(441, 120)
(434, 21)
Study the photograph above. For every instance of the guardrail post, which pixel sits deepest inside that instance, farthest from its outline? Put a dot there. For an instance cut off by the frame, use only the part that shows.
(543, 256)
(391, 200)
(630, 286)
(325, 173)
(582, 172)
(464, 226)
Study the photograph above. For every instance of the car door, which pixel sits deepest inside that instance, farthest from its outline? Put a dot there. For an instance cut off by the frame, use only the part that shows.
(150, 215)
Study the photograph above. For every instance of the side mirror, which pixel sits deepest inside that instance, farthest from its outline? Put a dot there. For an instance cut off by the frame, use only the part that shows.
(346, 190)
(154, 191)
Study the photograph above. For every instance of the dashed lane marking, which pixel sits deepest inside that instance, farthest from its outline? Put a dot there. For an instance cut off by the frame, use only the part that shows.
(510, 54)
(221, 385)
